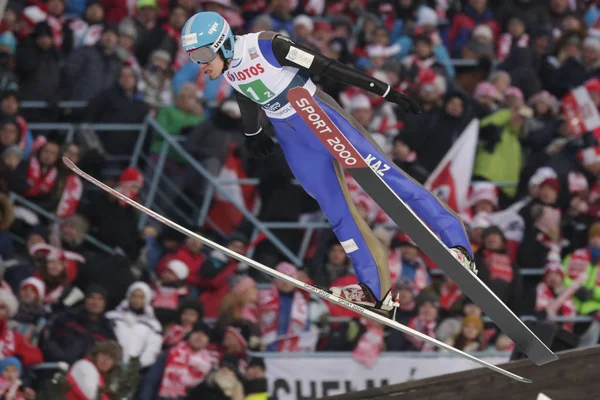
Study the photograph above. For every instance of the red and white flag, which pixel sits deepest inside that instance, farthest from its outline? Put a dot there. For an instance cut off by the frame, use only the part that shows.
(580, 112)
(451, 178)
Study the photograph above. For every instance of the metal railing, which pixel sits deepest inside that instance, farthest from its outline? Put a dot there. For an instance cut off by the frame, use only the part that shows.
(18, 200)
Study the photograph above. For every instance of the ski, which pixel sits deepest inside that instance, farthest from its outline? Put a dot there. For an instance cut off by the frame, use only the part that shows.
(349, 158)
(297, 283)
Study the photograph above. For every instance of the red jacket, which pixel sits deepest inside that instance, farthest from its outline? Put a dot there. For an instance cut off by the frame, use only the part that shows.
(13, 344)
(193, 262)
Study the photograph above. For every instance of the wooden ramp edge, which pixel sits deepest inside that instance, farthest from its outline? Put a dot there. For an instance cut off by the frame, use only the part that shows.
(574, 376)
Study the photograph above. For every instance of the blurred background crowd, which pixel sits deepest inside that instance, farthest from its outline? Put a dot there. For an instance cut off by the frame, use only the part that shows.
(160, 316)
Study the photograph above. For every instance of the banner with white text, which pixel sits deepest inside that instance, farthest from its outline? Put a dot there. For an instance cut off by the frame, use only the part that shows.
(309, 377)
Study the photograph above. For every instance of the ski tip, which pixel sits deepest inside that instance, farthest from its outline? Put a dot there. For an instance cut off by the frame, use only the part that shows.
(70, 164)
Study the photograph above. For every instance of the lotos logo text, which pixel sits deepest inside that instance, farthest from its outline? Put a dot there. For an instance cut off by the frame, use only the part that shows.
(213, 28)
(246, 73)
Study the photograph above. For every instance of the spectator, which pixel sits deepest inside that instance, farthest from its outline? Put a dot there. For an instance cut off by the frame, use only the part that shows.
(166, 37)
(60, 292)
(137, 329)
(38, 65)
(118, 103)
(497, 271)
(155, 83)
(9, 106)
(87, 30)
(425, 322)
(412, 265)
(191, 253)
(11, 385)
(177, 120)
(407, 310)
(30, 318)
(335, 266)
(71, 334)
(114, 222)
(471, 336)
(584, 261)
(499, 152)
(170, 290)
(551, 299)
(406, 159)
(11, 159)
(7, 250)
(13, 344)
(125, 47)
(191, 311)
(8, 48)
(91, 69)
(224, 383)
(214, 275)
(89, 377)
(284, 313)
(476, 12)
(240, 303)
(72, 235)
(181, 368)
(255, 381)
(42, 174)
(144, 21)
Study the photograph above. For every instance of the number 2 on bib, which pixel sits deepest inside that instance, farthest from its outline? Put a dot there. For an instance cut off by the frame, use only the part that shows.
(257, 91)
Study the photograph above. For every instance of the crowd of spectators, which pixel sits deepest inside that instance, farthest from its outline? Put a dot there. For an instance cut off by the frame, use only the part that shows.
(163, 317)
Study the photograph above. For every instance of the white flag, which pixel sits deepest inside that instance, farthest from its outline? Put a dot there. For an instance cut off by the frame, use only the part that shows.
(451, 179)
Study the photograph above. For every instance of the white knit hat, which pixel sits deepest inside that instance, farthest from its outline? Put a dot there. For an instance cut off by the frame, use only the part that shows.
(35, 283)
(304, 20)
(179, 268)
(360, 102)
(10, 301)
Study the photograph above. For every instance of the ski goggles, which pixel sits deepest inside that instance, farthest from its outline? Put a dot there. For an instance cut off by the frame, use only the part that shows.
(202, 55)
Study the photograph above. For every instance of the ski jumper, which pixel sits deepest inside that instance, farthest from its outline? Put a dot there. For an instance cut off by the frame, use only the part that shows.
(264, 67)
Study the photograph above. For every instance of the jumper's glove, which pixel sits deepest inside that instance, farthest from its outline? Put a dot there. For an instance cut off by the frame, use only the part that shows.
(407, 104)
(259, 145)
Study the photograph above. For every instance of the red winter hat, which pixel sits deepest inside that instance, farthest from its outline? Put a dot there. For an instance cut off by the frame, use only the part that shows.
(323, 26)
(37, 284)
(403, 239)
(131, 176)
(552, 182)
(483, 191)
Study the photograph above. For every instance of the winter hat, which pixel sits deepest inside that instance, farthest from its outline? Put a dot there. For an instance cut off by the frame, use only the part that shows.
(426, 16)
(8, 40)
(78, 222)
(111, 348)
(191, 304)
(589, 156)
(264, 21)
(10, 301)
(483, 191)
(143, 286)
(12, 150)
(471, 319)
(481, 220)
(552, 182)
(37, 284)
(594, 230)
(546, 98)
(515, 92)
(360, 101)
(8, 361)
(553, 266)
(161, 55)
(237, 236)
(201, 326)
(45, 250)
(425, 297)
(131, 176)
(592, 42)
(96, 289)
(147, 3)
(179, 268)
(287, 268)
(405, 283)
(257, 362)
(487, 89)
(239, 284)
(323, 26)
(484, 32)
(127, 29)
(304, 20)
(542, 174)
(42, 29)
